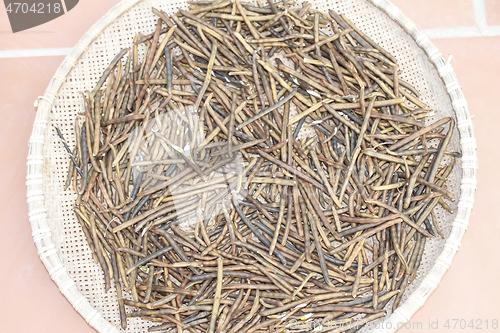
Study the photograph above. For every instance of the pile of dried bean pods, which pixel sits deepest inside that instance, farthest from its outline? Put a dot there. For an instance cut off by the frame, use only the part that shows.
(252, 169)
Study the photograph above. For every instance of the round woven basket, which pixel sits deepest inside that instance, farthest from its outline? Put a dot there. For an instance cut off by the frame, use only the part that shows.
(58, 237)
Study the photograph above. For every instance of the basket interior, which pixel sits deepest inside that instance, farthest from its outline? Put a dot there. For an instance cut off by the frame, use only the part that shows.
(67, 235)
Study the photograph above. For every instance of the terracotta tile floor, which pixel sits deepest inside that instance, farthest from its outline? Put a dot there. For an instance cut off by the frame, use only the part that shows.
(429, 14)
(64, 31)
(493, 11)
(31, 302)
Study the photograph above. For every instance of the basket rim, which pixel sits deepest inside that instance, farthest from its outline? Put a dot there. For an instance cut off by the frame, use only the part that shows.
(37, 213)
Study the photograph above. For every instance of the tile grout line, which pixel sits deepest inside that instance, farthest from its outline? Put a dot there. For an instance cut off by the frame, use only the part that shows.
(480, 14)
(463, 32)
(64, 6)
(27, 53)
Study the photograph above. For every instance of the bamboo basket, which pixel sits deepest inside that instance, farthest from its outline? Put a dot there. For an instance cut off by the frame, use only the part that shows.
(57, 235)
